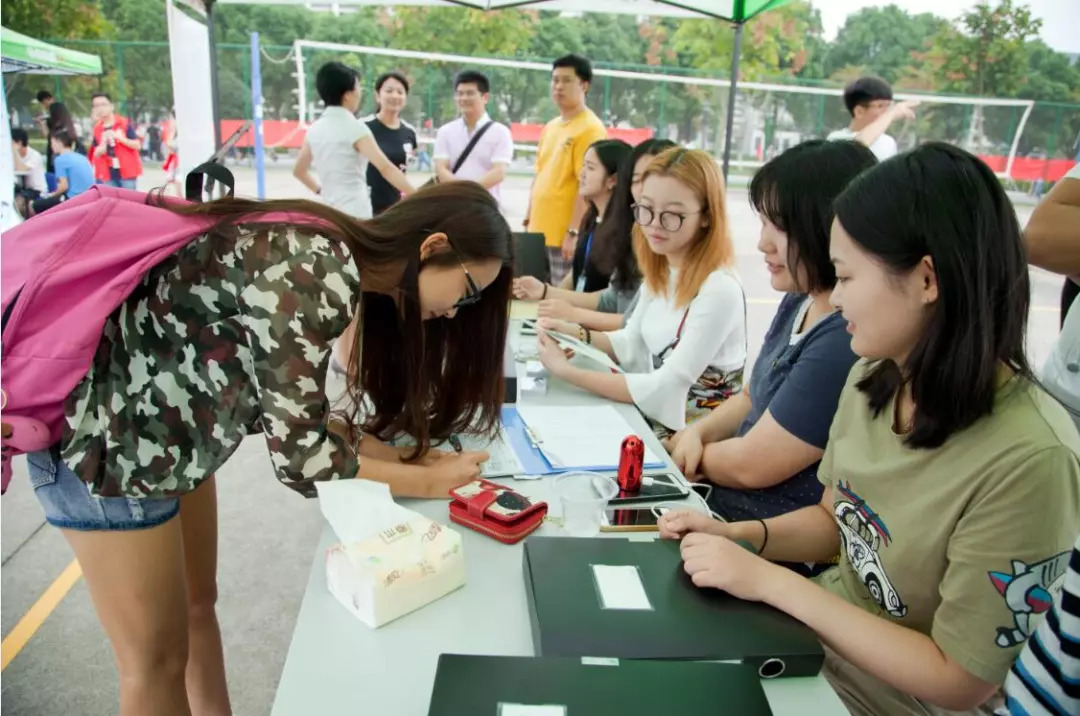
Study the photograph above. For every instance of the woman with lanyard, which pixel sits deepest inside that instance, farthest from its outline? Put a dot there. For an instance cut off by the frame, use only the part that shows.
(684, 348)
(395, 137)
(605, 310)
(231, 336)
(599, 176)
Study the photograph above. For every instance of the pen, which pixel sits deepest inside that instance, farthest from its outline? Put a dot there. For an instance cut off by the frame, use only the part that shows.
(534, 441)
(455, 443)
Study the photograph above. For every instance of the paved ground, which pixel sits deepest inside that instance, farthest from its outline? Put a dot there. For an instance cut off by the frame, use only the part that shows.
(267, 535)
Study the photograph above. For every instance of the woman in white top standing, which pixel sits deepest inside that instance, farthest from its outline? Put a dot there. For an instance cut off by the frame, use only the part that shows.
(339, 147)
(684, 348)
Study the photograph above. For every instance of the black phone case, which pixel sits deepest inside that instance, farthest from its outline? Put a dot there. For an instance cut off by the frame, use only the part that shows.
(652, 493)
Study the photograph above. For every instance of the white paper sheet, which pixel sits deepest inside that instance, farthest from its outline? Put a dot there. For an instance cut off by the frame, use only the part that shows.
(503, 461)
(620, 587)
(585, 350)
(579, 437)
(526, 710)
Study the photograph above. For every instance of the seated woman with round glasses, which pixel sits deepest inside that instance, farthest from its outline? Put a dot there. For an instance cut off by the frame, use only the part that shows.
(684, 347)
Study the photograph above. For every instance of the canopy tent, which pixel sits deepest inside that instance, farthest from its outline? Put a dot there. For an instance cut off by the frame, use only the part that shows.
(737, 12)
(25, 55)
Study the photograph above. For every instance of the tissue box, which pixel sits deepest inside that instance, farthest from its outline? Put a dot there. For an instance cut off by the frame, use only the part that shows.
(396, 571)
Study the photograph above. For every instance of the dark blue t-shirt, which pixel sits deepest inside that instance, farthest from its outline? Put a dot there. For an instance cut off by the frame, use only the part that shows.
(800, 386)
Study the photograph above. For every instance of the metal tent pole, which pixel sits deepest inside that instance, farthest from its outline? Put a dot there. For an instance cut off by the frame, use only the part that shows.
(731, 98)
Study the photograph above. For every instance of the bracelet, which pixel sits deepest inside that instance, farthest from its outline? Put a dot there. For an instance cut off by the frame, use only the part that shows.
(765, 540)
(544, 294)
(588, 335)
(581, 334)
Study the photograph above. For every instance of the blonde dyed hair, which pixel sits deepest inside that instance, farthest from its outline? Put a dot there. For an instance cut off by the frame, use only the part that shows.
(711, 248)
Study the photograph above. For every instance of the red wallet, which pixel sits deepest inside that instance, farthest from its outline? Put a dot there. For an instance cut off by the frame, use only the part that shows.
(496, 511)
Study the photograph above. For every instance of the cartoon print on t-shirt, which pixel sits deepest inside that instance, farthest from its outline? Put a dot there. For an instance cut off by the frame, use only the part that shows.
(864, 534)
(1027, 594)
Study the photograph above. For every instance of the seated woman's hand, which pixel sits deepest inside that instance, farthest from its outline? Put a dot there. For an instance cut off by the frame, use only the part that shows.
(556, 308)
(554, 357)
(675, 524)
(715, 561)
(686, 449)
(554, 324)
(528, 288)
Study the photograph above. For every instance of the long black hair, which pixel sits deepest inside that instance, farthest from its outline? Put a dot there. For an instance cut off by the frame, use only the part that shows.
(942, 202)
(60, 118)
(614, 241)
(795, 191)
(611, 153)
(427, 379)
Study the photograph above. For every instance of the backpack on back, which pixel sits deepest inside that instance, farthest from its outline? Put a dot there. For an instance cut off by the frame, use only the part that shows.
(61, 275)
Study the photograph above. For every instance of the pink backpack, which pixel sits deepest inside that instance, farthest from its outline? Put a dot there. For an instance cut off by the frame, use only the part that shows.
(61, 275)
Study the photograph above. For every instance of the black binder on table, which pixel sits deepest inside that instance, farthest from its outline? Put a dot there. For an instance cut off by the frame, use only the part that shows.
(684, 622)
(494, 685)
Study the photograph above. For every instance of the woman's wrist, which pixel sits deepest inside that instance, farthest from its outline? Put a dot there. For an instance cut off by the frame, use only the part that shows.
(750, 531)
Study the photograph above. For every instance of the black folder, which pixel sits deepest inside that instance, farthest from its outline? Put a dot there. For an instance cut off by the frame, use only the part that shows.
(492, 685)
(685, 622)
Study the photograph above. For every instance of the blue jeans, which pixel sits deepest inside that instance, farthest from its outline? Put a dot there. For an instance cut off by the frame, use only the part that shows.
(121, 183)
(68, 503)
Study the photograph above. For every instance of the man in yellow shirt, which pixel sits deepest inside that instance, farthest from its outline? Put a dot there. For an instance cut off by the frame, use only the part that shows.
(555, 208)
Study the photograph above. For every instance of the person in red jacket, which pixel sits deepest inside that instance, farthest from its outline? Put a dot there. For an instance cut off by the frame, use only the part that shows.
(115, 150)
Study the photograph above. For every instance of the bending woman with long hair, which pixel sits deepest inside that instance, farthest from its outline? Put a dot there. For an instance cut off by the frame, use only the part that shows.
(231, 336)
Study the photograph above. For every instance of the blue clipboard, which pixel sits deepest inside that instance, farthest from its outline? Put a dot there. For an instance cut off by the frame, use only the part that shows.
(533, 460)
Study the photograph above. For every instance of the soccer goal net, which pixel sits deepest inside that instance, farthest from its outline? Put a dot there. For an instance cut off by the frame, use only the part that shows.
(641, 101)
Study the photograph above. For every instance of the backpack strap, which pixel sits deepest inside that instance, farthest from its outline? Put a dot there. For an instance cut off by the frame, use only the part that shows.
(194, 188)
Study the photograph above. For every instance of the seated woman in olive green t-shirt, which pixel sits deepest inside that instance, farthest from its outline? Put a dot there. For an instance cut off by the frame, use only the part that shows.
(952, 484)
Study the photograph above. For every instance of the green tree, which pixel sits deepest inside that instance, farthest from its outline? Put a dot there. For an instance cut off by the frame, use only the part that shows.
(62, 19)
(880, 40)
(777, 46)
(986, 53)
(142, 75)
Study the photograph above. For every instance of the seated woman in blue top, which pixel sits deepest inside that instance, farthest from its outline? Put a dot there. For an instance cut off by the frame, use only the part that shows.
(760, 449)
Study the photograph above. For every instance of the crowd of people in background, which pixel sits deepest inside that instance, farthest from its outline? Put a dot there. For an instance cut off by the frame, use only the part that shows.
(909, 488)
(69, 167)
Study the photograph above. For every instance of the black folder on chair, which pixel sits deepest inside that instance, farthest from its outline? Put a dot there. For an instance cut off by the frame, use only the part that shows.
(530, 256)
(569, 617)
(495, 685)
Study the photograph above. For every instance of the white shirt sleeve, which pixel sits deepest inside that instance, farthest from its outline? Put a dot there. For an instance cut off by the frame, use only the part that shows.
(442, 144)
(628, 343)
(717, 315)
(503, 152)
(358, 131)
(884, 147)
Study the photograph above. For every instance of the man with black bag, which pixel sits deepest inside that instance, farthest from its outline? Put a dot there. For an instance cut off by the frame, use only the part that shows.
(473, 146)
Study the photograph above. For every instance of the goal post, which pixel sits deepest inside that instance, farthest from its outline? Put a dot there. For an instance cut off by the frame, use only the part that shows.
(672, 103)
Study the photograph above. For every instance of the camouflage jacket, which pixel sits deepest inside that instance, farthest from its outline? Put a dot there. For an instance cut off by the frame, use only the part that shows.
(229, 336)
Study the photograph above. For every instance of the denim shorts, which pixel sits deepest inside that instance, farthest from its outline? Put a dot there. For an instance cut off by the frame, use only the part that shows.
(68, 503)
